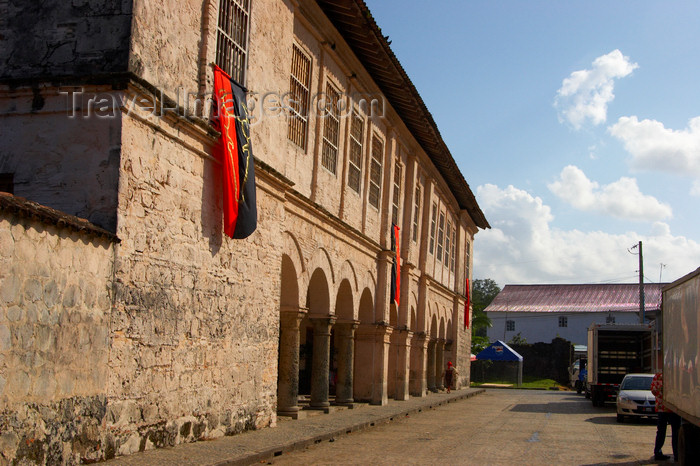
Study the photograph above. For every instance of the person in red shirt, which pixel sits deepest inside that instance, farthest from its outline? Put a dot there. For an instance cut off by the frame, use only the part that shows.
(665, 417)
(450, 376)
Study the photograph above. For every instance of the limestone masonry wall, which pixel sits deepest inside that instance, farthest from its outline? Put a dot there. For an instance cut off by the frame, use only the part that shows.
(60, 38)
(195, 324)
(55, 300)
(63, 155)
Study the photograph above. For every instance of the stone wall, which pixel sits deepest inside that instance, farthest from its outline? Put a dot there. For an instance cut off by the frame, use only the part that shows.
(55, 300)
(62, 149)
(60, 38)
(194, 328)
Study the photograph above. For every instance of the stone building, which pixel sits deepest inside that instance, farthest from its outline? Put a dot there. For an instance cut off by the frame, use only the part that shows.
(128, 321)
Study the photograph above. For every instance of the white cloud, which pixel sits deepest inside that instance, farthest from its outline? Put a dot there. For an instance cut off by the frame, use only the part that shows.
(621, 199)
(523, 247)
(654, 147)
(585, 94)
(695, 189)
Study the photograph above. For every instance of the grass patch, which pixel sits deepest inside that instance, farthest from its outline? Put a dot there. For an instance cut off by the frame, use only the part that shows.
(528, 382)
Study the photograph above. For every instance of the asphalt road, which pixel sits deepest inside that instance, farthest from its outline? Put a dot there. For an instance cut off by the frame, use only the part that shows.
(510, 427)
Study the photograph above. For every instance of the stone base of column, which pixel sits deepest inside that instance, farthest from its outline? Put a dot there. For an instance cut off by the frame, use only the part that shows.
(300, 414)
(326, 409)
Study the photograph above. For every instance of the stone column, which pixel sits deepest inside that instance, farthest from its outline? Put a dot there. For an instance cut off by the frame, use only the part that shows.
(419, 363)
(288, 370)
(321, 361)
(403, 363)
(345, 341)
(381, 364)
(439, 364)
(431, 364)
(363, 375)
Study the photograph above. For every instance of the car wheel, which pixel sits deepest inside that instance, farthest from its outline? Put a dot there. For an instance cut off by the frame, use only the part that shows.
(620, 418)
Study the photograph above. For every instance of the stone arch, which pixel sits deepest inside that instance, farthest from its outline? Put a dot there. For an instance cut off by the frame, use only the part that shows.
(293, 250)
(441, 331)
(434, 327)
(449, 329)
(318, 294)
(409, 320)
(347, 272)
(344, 301)
(320, 260)
(366, 307)
(367, 281)
(289, 283)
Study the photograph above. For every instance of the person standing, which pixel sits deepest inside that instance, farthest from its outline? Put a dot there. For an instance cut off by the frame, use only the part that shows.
(665, 417)
(450, 376)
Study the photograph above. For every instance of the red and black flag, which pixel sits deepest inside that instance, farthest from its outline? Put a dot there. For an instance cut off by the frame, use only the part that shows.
(466, 305)
(236, 156)
(395, 265)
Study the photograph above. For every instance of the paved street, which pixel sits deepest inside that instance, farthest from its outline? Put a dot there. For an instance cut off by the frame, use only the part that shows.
(496, 427)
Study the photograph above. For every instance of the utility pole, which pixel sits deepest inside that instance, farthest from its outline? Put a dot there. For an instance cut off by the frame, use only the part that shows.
(641, 284)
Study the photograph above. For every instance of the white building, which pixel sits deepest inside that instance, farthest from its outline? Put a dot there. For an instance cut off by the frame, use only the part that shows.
(540, 313)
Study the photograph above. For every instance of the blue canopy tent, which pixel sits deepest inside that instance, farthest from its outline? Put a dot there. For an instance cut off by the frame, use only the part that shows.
(499, 351)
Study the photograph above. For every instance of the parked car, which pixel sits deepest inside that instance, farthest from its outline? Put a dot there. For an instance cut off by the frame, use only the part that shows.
(635, 397)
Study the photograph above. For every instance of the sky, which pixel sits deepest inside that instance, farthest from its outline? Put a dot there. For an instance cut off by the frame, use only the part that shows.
(575, 123)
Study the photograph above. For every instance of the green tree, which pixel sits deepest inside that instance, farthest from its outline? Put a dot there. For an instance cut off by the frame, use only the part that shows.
(483, 292)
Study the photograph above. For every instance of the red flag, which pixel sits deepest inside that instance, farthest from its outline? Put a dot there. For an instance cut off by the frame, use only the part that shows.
(236, 156)
(395, 266)
(466, 305)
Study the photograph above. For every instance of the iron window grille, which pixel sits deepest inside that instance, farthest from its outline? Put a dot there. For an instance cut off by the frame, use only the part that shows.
(232, 38)
(355, 163)
(416, 213)
(510, 326)
(397, 194)
(441, 236)
(331, 129)
(563, 321)
(299, 85)
(433, 221)
(375, 172)
(448, 243)
(454, 249)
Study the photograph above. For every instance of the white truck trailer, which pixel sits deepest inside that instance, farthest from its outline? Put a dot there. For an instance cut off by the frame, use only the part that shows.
(681, 356)
(615, 350)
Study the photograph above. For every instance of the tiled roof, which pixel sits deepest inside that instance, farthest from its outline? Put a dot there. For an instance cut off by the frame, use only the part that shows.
(576, 298)
(355, 23)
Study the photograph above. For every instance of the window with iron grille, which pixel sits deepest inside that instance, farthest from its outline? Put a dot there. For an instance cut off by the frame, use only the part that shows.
(299, 84)
(355, 163)
(397, 194)
(454, 249)
(232, 38)
(563, 321)
(433, 221)
(466, 259)
(416, 213)
(441, 236)
(448, 243)
(375, 172)
(331, 129)
(510, 326)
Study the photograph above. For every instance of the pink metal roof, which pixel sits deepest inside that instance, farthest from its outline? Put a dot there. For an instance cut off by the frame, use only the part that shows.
(576, 298)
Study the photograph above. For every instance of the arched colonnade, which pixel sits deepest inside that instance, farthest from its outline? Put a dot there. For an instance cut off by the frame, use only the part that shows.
(334, 345)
